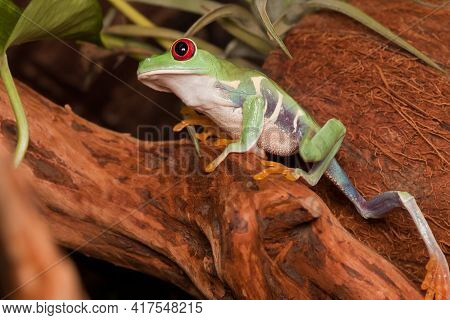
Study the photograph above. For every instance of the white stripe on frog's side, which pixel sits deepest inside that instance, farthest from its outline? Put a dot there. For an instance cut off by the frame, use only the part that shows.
(234, 84)
(299, 113)
(257, 83)
(276, 112)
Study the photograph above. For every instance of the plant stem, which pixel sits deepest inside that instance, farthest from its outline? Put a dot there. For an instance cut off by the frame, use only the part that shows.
(138, 18)
(19, 113)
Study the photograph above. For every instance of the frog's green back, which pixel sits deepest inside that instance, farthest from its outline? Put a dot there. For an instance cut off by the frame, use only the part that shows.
(281, 108)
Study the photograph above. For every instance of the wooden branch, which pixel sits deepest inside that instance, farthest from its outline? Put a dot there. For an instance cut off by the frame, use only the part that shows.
(27, 249)
(148, 206)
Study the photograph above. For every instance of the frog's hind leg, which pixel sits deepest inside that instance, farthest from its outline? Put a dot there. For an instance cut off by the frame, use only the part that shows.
(437, 279)
(320, 149)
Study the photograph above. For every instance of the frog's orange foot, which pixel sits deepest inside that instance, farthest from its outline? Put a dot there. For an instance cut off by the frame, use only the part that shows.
(192, 118)
(194, 121)
(437, 280)
(222, 142)
(208, 132)
(210, 129)
(276, 168)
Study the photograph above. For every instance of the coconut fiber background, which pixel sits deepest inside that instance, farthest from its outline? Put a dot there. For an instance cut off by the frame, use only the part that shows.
(395, 109)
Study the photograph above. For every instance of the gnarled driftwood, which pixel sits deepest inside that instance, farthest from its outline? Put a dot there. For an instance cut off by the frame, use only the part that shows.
(148, 206)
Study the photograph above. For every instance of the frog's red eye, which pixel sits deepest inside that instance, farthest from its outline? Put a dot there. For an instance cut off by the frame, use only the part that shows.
(183, 49)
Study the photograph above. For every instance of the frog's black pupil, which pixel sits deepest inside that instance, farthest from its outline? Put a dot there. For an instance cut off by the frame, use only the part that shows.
(181, 48)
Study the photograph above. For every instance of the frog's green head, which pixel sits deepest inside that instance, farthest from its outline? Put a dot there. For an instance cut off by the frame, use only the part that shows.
(183, 59)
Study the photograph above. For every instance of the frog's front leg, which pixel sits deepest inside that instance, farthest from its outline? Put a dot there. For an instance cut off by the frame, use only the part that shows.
(192, 118)
(210, 129)
(252, 125)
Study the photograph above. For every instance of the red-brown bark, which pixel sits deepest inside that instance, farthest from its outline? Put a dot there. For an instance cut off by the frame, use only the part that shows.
(148, 206)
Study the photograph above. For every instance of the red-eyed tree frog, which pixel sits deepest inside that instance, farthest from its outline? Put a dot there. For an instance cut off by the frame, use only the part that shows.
(262, 117)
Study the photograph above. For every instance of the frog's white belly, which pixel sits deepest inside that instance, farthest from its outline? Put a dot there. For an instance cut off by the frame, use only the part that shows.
(228, 118)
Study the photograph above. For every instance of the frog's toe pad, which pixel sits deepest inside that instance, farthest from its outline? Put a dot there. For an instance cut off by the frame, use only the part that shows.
(180, 126)
(437, 281)
(194, 121)
(210, 167)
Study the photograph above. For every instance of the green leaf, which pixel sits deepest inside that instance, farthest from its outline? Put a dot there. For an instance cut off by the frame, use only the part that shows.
(249, 23)
(433, 5)
(9, 14)
(194, 6)
(235, 48)
(41, 19)
(68, 19)
(371, 23)
(261, 7)
(288, 18)
(226, 10)
(248, 38)
(129, 46)
(276, 8)
(246, 19)
(158, 32)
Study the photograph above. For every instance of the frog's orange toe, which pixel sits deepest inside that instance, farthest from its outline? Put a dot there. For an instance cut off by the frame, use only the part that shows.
(191, 118)
(180, 126)
(262, 174)
(210, 167)
(436, 281)
(222, 142)
(275, 168)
